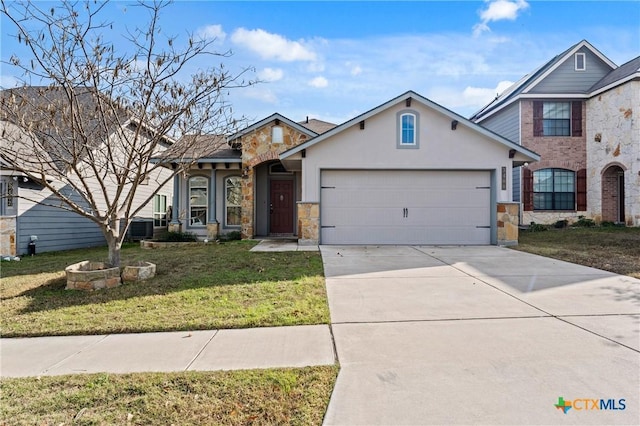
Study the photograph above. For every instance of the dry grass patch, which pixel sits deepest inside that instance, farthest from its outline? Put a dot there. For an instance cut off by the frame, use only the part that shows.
(256, 397)
(611, 249)
(203, 287)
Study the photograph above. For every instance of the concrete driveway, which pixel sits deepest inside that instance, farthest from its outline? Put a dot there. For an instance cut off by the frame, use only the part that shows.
(480, 335)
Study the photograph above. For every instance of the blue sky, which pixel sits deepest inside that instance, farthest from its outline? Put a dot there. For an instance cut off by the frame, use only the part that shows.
(335, 60)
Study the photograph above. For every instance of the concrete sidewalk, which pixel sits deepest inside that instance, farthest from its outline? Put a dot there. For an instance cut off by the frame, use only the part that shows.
(268, 347)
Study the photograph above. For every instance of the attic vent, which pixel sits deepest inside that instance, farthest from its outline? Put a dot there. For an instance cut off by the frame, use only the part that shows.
(581, 62)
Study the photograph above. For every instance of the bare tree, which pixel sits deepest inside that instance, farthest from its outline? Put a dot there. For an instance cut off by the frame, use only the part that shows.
(106, 111)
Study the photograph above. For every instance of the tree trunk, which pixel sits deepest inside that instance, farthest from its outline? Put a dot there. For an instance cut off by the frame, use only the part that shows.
(114, 245)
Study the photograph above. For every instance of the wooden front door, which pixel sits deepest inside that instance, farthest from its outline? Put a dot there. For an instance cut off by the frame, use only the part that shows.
(281, 207)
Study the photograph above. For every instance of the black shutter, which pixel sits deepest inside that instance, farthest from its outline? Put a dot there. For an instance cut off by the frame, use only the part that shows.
(527, 189)
(581, 190)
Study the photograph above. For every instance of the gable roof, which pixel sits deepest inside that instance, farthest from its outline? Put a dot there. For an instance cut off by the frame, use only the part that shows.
(264, 121)
(622, 74)
(426, 102)
(529, 81)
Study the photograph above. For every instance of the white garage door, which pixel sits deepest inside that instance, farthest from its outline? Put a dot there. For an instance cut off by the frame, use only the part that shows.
(405, 207)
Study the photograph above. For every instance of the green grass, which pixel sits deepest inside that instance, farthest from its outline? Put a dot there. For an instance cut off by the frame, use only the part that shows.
(198, 287)
(256, 397)
(614, 249)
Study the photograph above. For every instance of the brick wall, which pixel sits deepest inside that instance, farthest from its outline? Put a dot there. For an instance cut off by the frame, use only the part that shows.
(555, 152)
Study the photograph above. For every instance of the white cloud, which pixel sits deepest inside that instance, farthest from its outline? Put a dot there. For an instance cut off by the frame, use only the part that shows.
(355, 70)
(482, 96)
(270, 74)
(319, 82)
(498, 10)
(272, 46)
(212, 32)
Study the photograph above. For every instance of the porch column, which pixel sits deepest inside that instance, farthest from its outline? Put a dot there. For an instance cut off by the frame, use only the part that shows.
(174, 225)
(213, 226)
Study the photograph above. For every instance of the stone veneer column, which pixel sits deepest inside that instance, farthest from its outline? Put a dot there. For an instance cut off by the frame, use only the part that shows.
(247, 204)
(8, 236)
(508, 219)
(308, 223)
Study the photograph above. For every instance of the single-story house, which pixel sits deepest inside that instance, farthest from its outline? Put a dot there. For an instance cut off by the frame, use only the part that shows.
(408, 171)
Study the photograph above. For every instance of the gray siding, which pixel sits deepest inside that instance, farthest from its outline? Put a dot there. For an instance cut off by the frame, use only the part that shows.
(515, 183)
(565, 79)
(506, 123)
(56, 229)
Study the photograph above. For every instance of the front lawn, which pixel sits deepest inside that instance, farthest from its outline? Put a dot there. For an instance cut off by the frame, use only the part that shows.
(209, 286)
(614, 249)
(297, 396)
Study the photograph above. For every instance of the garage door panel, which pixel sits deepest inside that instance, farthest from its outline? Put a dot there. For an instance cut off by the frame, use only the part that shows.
(405, 207)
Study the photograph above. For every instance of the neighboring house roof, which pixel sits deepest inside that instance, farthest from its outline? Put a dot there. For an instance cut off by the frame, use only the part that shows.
(203, 148)
(622, 74)
(46, 111)
(428, 103)
(529, 81)
(317, 126)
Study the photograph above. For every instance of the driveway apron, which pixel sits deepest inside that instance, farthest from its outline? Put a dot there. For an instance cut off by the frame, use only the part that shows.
(480, 335)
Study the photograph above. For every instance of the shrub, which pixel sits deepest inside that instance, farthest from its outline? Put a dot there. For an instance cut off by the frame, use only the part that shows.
(561, 224)
(230, 236)
(584, 222)
(536, 227)
(178, 237)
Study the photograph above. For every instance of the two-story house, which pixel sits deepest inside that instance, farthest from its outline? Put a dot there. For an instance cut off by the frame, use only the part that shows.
(29, 210)
(580, 112)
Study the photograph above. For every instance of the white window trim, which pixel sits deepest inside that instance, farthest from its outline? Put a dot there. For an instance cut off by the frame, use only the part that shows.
(226, 202)
(162, 215)
(584, 61)
(206, 206)
(416, 129)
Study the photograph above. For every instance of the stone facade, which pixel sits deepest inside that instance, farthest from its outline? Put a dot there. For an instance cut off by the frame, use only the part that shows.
(258, 147)
(508, 217)
(613, 140)
(308, 223)
(8, 236)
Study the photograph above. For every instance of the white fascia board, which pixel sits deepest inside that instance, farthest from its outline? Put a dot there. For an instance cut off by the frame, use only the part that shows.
(269, 119)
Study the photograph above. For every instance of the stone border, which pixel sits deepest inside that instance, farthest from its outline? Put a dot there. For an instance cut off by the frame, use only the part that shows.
(140, 272)
(89, 275)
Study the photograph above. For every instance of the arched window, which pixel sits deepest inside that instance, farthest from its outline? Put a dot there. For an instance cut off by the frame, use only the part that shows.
(198, 200)
(233, 196)
(554, 189)
(408, 129)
